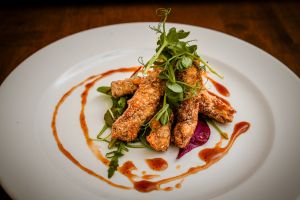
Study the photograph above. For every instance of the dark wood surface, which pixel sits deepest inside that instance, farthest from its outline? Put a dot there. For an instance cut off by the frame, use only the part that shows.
(272, 26)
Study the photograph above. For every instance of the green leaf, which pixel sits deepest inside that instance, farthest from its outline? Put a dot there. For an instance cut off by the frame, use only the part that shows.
(164, 118)
(109, 120)
(174, 87)
(117, 109)
(113, 166)
(184, 63)
(172, 35)
(115, 155)
(174, 98)
(104, 90)
(192, 49)
(114, 101)
(161, 111)
(181, 34)
(163, 76)
(178, 47)
(142, 137)
(122, 102)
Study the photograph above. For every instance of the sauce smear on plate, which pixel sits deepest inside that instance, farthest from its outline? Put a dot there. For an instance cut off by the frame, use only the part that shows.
(219, 87)
(157, 164)
(209, 155)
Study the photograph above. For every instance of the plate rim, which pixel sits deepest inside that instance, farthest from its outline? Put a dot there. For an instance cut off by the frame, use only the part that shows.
(283, 66)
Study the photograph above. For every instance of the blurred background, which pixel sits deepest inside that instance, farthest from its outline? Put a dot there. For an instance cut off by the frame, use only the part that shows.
(27, 26)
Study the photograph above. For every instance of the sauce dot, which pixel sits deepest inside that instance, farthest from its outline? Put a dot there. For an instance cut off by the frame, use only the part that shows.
(145, 186)
(157, 164)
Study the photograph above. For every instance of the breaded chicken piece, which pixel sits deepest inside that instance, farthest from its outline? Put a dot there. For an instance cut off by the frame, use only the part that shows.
(209, 105)
(130, 85)
(187, 114)
(141, 107)
(125, 87)
(215, 107)
(159, 137)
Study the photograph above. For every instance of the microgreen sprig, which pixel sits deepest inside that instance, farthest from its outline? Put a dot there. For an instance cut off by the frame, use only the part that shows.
(173, 54)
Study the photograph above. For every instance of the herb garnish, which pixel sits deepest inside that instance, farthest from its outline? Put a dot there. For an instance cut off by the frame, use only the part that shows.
(111, 115)
(115, 155)
(172, 55)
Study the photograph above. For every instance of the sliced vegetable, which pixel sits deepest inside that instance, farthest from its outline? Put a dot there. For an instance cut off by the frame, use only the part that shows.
(200, 137)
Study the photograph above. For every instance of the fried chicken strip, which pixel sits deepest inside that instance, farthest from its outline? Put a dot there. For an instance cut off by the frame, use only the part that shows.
(215, 107)
(159, 137)
(187, 115)
(124, 87)
(141, 107)
(209, 105)
(130, 85)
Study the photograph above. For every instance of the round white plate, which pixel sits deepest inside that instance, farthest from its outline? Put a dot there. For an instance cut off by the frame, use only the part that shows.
(264, 162)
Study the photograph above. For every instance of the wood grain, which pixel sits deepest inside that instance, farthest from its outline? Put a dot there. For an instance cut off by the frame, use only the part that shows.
(273, 27)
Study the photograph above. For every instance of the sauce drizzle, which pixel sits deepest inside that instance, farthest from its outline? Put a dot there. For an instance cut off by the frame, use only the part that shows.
(220, 98)
(90, 143)
(209, 155)
(219, 87)
(212, 155)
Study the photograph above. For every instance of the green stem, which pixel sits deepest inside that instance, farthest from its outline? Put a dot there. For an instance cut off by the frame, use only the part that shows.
(172, 73)
(111, 114)
(183, 83)
(165, 99)
(211, 69)
(104, 128)
(112, 143)
(153, 59)
(134, 146)
(222, 133)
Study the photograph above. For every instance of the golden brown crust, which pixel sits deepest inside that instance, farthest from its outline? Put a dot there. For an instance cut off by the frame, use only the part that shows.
(187, 118)
(145, 101)
(215, 107)
(130, 85)
(141, 107)
(125, 87)
(187, 114)
(159, 137)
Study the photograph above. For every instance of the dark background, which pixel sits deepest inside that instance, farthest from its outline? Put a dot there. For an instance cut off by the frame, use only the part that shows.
(27, 26)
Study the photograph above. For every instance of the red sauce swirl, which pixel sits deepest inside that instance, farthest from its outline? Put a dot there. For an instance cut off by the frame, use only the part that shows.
(209, 155)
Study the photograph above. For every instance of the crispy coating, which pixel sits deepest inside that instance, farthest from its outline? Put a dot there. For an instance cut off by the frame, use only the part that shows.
(125, 87)
(141, 107)
(215, 107)
(144, 104)
(159, 137)
(187, 119)
(187, 114)
(191, 76)
(130, 85)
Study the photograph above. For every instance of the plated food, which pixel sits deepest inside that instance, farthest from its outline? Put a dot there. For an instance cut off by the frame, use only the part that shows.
(164, 102)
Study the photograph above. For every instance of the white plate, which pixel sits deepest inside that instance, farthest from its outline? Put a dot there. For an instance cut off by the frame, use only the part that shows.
(264, 163)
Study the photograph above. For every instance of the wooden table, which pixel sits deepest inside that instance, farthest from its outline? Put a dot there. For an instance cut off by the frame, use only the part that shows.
(273, 27)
